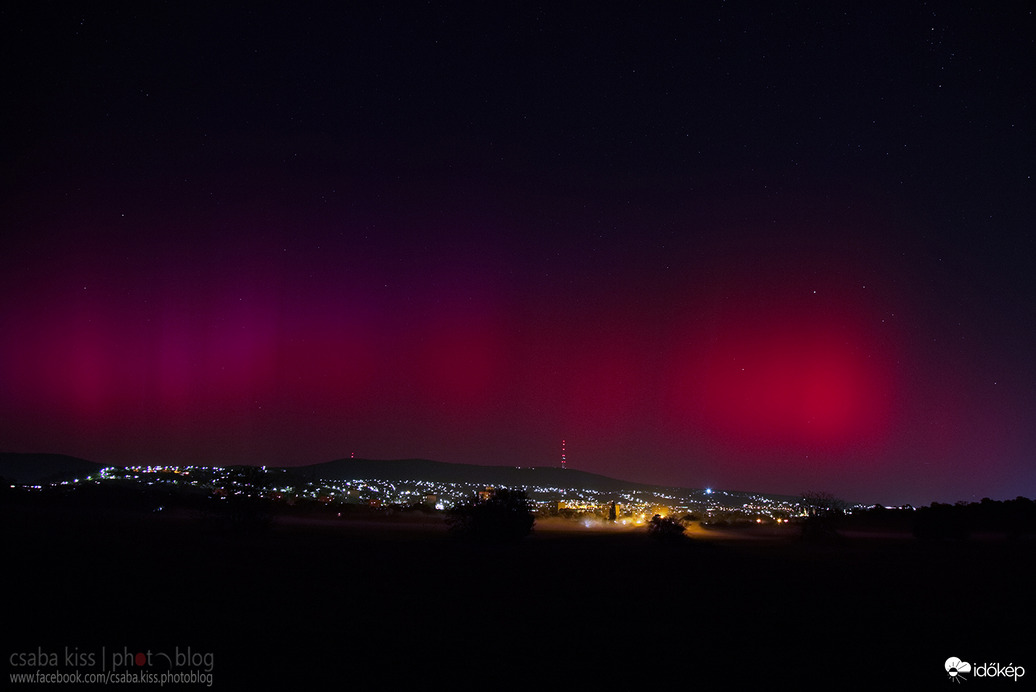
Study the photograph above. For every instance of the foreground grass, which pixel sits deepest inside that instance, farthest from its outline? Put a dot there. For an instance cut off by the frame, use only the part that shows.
(399, 601)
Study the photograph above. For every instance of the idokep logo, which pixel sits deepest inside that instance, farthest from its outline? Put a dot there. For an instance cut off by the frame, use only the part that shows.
(956, 668)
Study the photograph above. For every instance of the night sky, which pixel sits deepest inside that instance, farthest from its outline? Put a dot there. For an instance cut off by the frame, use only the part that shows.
(757, 246)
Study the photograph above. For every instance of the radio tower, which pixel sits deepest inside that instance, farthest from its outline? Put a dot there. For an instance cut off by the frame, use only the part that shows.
(562, 454)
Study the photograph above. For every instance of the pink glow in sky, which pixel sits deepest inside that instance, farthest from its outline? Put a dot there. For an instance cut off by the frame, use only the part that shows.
(768, 366)
(708, 252)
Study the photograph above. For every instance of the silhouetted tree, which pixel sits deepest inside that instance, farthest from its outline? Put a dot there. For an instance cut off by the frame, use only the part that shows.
(665, 529)
(612, 513)
(940, 521)
(240, 502)
(503, 517)
(822, 513)
(1020, 517)
(1013, 518)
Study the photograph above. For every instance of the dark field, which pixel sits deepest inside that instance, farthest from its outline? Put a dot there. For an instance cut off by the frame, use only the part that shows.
(397, 603)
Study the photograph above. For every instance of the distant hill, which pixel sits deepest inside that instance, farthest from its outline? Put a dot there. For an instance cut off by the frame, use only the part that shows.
(35, 469)
(427, 470)
(52, 468)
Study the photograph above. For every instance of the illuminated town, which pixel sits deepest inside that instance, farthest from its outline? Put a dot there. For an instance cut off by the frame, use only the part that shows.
(287, 487)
